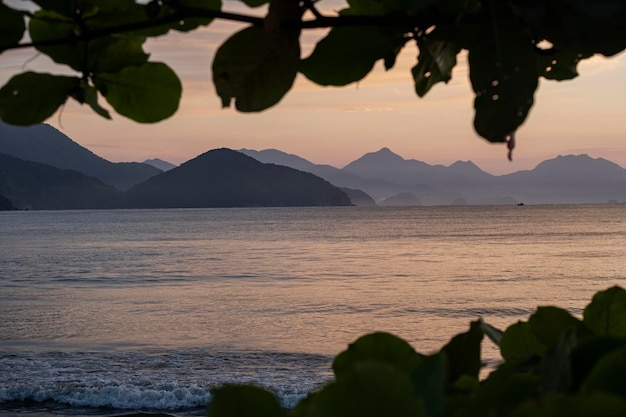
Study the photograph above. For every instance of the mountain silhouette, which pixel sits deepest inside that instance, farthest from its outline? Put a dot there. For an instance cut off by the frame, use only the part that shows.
(6, 204)
(227, 178)
(564, 179)
(36, 186)
(402, 199)
(43, 143)
(159, 164)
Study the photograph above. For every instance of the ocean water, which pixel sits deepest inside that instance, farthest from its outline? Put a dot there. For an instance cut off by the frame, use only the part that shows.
(111, 312)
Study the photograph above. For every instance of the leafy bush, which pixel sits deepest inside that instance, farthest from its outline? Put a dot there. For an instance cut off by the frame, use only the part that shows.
(554, 364)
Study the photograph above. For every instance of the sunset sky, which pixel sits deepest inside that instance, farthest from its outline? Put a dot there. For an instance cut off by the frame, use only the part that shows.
(337, 125)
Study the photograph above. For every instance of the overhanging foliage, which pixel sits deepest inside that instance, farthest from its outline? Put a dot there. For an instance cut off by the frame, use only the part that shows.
(511, 44)
(555, 365)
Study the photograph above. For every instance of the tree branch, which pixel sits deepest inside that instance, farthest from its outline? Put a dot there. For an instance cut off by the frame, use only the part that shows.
(320, 21)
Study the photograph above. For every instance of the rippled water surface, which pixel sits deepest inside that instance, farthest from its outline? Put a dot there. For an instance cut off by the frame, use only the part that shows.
(148, 309)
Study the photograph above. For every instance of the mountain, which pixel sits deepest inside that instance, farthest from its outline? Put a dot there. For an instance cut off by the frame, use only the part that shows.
(569, 179)
(359, 198)
(227, 178)
(5, 203)
(274, 156)
(402, 199)
(43, 143)
(159, 164)
(388, 166)
(382, 174)
(32, 185)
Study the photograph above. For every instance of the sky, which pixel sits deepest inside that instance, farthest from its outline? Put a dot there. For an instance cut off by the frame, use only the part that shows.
(329, 125)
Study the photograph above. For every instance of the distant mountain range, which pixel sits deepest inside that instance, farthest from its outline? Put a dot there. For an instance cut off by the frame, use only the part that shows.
(217, 178)
(43, 169)
(159, 164)
(391, 179)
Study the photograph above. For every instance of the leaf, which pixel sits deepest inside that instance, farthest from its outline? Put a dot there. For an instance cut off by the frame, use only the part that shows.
(429, 380)
(608, 375)
(12, 26)
(30, 98)
(91, 98)
(255, 68)
(587, 354)
(463, 353)
(103, 54)
(586, 27)
(377, 347)
(348, 54)
(502, 391)
(556, 368)
(504, 84)
(191, 23)
(244, 401)
(145, 94)
(370, 390)
(606, 314)
(65, 7)
(518, 342)
(549, 323)
(386, 7)
(573, 406)
(435, 63)
(559, 65)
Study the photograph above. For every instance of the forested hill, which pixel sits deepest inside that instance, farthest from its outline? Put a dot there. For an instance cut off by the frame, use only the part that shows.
(31, 185)
(226, 178)
(43, 143)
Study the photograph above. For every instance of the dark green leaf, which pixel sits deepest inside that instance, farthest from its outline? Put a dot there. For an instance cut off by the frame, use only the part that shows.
(559, 65)
(103, 54)
(370, 390)
(504, 81)
(146, 94)
(31, 98)
(549, 323)
(435, 63)
(127, 12)
(377, 347)
(348, 54)
(587, 354)
(244, 401)
(115, 54)
(585, 26)
(502, 391)
(608, 375)
(386, 7)
(190, 23)
(556, 369)
(573, 406)
(518, 341)
(91, 98)
(193, 23)
(430, 379)
(463, 353)
(64, 7)
(255, 68)
(606, 315)
(12, 26)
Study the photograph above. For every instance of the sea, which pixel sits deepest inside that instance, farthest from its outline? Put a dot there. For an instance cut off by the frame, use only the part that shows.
(115, 312)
